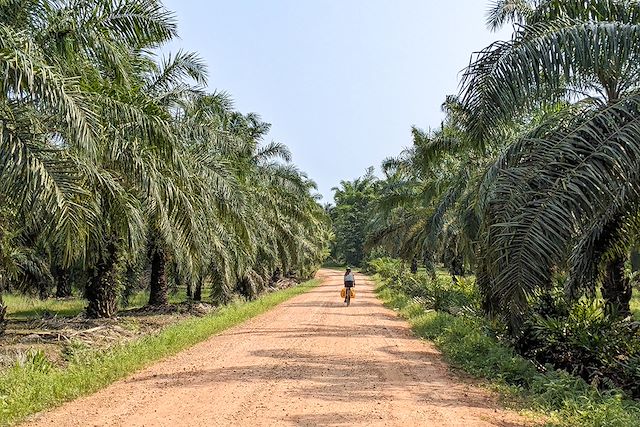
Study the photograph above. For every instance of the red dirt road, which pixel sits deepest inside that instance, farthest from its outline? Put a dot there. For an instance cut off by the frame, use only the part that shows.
(311, 361)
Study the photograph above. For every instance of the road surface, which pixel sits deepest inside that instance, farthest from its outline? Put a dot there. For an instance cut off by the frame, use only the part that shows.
(311, 361)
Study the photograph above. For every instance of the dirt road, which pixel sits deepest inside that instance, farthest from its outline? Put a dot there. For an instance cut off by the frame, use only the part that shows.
(309, 362)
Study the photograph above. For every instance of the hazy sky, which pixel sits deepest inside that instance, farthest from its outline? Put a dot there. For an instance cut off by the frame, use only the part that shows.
(341, 81)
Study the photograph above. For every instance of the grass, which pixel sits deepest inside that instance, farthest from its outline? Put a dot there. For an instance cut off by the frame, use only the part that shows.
(635, 304)
(21, 307)
(36, 385)
(559, 398)
(140, 299)
(24, 307)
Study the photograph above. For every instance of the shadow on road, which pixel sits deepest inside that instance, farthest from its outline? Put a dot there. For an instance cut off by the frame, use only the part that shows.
(358, 378)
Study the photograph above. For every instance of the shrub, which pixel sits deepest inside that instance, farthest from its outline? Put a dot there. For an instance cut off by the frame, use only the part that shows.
(589, 343)
(388, 268)
(437, 293)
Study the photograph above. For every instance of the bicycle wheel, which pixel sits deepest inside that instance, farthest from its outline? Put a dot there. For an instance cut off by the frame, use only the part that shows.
(348, 297)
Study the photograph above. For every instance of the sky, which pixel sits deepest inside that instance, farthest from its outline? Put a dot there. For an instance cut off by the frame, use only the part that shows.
(341, 81)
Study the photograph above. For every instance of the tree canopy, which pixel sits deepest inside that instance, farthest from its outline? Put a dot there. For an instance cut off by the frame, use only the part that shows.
(533, 172)
(115, 159)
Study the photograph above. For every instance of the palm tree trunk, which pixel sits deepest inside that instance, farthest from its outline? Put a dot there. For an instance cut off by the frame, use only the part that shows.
(43, 289)
(63, 282)
(197, 294)
(277, 275)
(244, 288)
(101, 289)
(616, 288)
(635, 259)
(429, 264)
(456, 268)
(414, 265)
(36, 282)
(158, 287)
(3, 313)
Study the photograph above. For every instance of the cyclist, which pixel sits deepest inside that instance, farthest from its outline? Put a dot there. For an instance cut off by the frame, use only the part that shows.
(349, 282)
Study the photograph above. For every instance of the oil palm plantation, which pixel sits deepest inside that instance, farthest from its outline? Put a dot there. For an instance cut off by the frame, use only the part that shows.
(534, 169)
(109, 153)
(289, 222)
(425, 211)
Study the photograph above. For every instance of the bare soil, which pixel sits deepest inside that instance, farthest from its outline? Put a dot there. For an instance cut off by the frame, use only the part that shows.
(310, 361)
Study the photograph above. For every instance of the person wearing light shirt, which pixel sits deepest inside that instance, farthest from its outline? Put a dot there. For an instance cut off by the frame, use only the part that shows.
(349, 281)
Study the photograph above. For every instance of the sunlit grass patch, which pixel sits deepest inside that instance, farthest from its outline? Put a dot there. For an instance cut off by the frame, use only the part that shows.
(22, 307)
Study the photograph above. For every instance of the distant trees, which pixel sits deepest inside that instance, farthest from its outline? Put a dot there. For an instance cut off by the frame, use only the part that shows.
(350, 216)
(112, 157)
(425, 210)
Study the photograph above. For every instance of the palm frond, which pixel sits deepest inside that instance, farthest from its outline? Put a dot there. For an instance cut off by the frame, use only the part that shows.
(594, 165)
(537, 66)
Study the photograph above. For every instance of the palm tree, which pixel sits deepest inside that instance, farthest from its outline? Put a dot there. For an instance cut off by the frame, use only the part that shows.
(564, 193)
(39, 107)
(207, 187)
(289, 223)
(354, 201)
(426, 207)
(169, 206)
(98, 45)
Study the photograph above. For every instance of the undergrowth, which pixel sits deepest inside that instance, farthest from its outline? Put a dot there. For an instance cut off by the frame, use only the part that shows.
(23, 307)
(26, 307)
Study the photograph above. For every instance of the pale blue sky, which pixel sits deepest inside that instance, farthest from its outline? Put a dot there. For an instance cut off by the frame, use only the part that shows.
(341, 81)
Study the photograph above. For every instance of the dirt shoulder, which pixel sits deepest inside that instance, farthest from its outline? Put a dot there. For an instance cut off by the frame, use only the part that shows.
(57, 337)
(310, 361)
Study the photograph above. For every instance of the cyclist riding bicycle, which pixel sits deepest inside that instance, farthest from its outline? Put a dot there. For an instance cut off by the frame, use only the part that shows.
(349, 282)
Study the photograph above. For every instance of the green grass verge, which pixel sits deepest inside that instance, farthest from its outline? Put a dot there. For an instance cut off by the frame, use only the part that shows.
(466, 343)
(36, 385)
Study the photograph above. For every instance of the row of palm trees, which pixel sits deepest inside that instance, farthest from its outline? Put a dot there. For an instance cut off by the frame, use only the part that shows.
(536, 169)
(354, 201)
(113, 156)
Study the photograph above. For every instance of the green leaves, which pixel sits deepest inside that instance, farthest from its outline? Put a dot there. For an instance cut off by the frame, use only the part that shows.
(352, 216)
(560, 192)
(547, 61)
(534, 171)
(555, 188)
(105, 145)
